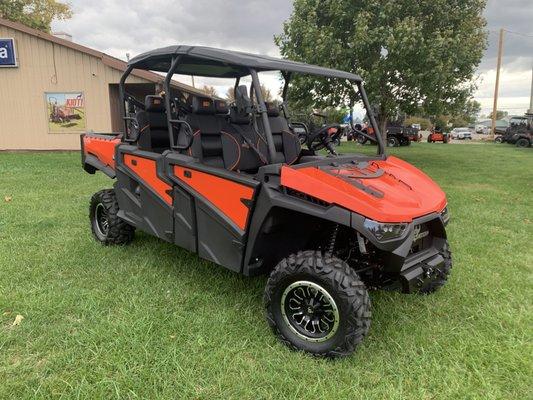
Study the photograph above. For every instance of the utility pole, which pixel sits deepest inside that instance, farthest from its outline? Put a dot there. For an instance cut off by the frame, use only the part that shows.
(496, 87)
(531, 96)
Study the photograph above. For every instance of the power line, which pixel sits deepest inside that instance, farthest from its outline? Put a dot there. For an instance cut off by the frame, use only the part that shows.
(519, 33)
(528, 35)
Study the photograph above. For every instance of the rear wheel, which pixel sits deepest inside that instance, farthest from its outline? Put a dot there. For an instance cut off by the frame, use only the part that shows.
(498, 140)
(106, 226)
(361, 139)
(318, 304)
(392, 141)
(522, 142)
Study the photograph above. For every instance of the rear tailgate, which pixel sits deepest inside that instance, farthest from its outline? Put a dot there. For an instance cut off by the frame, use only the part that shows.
(98, 152)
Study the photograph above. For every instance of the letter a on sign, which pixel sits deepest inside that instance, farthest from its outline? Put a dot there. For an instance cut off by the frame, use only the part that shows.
(8, 57)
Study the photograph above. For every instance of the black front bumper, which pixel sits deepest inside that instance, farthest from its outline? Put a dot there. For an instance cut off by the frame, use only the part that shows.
(420, 269)
(411, 261)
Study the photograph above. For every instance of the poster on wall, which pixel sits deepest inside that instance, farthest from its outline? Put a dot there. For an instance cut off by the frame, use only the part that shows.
(66, 112)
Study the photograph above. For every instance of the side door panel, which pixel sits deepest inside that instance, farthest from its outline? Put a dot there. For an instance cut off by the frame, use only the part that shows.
(222, 202)
(143, 191)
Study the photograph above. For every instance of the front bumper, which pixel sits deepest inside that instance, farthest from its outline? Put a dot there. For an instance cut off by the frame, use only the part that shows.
(416, 257)
(420, 269)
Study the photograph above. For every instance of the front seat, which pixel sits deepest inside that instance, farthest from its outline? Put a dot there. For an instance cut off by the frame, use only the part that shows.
(286, 142)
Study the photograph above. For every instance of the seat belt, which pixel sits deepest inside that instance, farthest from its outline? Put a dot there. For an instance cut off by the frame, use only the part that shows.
(250, 144)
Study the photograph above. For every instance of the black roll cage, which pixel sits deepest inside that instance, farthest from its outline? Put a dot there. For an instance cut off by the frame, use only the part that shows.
(261, 107)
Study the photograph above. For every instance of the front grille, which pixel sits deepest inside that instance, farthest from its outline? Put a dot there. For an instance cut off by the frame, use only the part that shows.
(422, 239)
(306, 197)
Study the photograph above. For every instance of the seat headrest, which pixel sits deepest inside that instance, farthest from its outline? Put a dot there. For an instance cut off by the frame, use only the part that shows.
(202, 105)
(237, 118)
(242, 100)
(272, 109)
(154, 103)
(221, 107)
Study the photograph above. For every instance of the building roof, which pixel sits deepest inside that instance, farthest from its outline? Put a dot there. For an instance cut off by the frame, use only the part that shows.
(208, 61)
(108, 60)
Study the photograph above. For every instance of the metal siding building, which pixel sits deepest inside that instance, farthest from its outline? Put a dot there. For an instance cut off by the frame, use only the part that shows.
(47, 64)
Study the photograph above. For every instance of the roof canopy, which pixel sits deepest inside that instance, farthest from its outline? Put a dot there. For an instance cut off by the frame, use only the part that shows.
(211, 62)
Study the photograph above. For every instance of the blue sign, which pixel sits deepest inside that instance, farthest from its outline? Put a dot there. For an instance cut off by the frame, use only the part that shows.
(8, 57)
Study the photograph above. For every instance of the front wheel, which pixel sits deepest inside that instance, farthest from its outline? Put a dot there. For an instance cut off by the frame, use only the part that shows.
(498, 140)
(106, 226)
(318, 304)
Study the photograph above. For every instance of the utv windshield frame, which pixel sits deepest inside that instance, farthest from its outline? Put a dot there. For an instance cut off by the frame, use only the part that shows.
(218, 63)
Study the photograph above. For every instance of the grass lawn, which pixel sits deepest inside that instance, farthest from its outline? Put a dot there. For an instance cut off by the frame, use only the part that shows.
(153, 321)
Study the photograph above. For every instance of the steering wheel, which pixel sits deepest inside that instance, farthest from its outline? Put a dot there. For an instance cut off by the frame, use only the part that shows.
(324, 137)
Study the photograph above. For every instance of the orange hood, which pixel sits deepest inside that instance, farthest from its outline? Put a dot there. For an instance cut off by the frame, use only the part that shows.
(388, 190)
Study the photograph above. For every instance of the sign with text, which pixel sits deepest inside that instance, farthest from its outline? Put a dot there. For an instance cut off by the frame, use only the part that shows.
(66, 112)
(8, 57)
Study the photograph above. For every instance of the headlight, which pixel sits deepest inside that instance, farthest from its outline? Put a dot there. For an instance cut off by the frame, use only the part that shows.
(445, 215)
(385, 231)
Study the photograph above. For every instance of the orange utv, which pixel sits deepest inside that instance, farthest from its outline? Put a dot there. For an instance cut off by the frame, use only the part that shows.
(438, 135)
(232, 183)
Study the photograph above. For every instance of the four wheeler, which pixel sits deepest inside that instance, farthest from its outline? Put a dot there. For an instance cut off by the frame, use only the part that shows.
(520, 131)
(396, 135)
(233, 185)
(438, 135)
(309, 124)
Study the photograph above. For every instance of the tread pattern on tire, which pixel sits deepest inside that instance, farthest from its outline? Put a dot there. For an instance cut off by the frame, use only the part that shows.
(120, 232)
(348, 287)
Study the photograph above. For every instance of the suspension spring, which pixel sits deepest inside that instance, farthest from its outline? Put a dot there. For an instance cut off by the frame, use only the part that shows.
(333, 239)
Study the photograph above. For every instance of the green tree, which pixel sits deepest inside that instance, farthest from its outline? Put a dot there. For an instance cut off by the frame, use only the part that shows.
(230, 95)
(412, 54)
(37, 14)
(499, 114)
(267, 94)
(209, 90)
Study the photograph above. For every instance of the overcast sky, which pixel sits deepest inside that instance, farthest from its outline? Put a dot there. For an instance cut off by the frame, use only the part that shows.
(118, 27)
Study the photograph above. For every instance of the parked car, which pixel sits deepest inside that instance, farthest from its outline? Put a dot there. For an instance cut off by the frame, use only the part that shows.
(482, 129)
(461, 134)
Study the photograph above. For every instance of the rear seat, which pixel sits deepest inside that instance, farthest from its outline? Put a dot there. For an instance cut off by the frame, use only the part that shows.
(153, 128)
(212, 145)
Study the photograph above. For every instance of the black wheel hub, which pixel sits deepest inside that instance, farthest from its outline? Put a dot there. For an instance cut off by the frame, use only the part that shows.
(310, 311)
(101, 220)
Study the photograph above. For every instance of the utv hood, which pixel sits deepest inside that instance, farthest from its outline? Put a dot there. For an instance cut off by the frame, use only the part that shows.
(388, 190)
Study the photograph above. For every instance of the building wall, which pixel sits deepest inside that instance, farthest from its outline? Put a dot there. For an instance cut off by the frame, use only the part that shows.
(47, 67)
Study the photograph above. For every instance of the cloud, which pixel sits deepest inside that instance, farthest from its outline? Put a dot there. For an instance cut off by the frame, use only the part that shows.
(119, 27)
